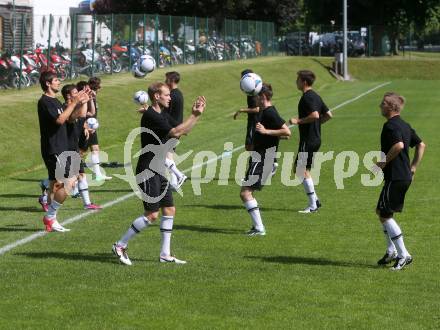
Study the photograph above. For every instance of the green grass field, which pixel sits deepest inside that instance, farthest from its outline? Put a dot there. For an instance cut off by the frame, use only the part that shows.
(310, 271)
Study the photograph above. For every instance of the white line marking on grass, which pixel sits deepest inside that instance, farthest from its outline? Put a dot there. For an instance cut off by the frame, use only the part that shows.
(78, 217)
(360, 95)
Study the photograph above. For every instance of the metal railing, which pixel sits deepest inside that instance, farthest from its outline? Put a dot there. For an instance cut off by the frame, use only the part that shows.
(326, 40)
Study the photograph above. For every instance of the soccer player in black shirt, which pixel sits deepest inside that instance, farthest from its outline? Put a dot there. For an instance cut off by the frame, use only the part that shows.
(175, 111)
(150, 170)
(396, 138)
(252, 112)
(94, 84)
(52, 118)
(269, 128)
(312, 112)
(76, 127)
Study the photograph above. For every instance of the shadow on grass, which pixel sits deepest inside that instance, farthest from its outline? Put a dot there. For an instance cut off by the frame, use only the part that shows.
(208, 229)
(18, 196)
(111, 190)
(232, 207)
(76, 256)
(21, 209)
(15, 228)
(26, 180)
(197, 178)
(295, 260)
(328, 68)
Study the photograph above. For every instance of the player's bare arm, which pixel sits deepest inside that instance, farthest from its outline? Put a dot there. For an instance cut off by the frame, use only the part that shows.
(326, 117)
(393, 153)
(142, 109)
(80, 111)
(184, 128)
(314, 116)
(78, 99)
(284, 131)
(246, 110)
(418, 155)
(91, 110)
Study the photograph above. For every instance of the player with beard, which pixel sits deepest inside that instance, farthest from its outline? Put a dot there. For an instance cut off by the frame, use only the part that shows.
(150, 170)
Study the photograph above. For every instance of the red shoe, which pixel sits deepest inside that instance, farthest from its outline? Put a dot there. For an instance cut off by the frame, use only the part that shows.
(92, 206)
(44, 205)
(48, 222)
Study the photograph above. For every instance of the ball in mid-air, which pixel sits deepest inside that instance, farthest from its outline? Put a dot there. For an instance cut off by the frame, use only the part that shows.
(147, 64)
(92, 123)
(140, 97)
(137, 73)
(251, 84)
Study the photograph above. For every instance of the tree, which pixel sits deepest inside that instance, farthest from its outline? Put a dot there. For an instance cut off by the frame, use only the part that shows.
(283, 12)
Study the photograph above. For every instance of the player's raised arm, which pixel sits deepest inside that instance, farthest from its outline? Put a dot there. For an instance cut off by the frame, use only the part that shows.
(246, 110)
(91, 109)
(184, 128)
(78, 99)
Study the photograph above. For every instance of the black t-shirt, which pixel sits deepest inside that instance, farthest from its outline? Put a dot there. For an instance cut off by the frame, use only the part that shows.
(160, 124)
(396, 130)
(270, 119)
(175, 109)
(310, 102)
(251, 103)
(74, 131)
(53, 137)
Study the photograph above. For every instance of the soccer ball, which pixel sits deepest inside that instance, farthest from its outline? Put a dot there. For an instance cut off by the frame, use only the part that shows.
(92, 123)
(147, 64)
(140, 97)
(144, 65)
(251, 84)
(137, 73)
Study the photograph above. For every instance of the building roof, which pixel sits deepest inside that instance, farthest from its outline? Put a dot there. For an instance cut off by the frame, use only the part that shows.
(27, 3)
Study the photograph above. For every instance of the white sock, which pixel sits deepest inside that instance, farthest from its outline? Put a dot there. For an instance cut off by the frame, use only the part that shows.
(254, 212)
(53, 208)
(83, 189)
(166, 229)
(396, 235)
(390, 245)
(310, 191)
(136, 227)
(44, 198)
(75, 189)
(95, 161)
(171, 165)
(173, 179)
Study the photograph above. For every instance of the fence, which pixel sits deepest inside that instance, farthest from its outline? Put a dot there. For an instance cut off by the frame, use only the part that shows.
(369, 40)
(89, 45)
